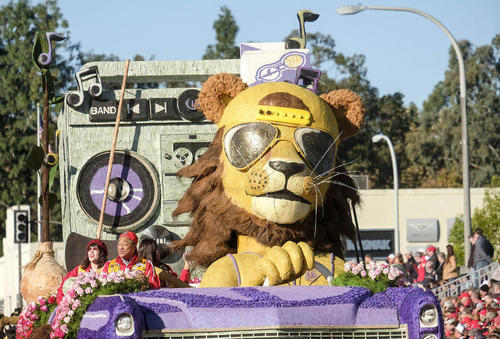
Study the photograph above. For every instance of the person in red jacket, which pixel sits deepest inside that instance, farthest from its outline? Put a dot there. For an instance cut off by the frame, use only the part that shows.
(420, 259)
(97, 255)
(129, 258)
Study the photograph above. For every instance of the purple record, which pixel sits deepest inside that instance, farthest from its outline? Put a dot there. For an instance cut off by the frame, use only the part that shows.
(125, 206)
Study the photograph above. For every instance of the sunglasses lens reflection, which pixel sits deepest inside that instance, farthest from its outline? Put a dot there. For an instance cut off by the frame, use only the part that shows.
(245, 143)
(318, 148)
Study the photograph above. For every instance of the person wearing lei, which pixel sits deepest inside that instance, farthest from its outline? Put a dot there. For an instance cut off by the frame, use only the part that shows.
(97, 255)
(128, 258)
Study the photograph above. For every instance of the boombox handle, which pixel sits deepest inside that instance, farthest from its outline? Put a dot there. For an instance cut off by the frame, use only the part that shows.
(164, 71)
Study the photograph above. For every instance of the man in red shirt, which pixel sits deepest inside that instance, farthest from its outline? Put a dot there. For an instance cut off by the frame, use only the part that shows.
(128, 258)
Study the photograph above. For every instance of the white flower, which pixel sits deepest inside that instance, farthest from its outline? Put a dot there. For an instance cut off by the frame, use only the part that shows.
(347, 267)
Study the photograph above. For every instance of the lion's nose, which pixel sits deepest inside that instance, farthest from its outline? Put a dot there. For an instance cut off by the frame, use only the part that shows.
(287, 168)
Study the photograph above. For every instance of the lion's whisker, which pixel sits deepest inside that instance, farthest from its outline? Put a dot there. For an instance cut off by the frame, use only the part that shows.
(333, 176)
(317, 190)
(315, 215)
(330, 177)
(334, 168)
(342, 184)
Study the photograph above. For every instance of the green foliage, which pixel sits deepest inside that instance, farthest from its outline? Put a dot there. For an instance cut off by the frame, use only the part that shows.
(457, 240)
(380, 283)
(435, 150)
(225, 33)
(20, 88)
(487, 218)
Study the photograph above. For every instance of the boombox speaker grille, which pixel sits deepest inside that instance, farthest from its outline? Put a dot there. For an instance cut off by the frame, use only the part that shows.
(132, 194)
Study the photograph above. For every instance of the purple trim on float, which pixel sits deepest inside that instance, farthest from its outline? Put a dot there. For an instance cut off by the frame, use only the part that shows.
(417, 299)
(235, 264)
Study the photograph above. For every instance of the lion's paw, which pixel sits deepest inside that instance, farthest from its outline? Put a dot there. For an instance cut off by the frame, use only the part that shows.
(282, 264)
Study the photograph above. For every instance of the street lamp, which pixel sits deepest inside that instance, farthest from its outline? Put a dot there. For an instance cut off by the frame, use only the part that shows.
(376, 138)
(348, 10)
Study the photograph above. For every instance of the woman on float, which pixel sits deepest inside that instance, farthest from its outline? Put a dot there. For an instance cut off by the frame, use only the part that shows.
(97, 255)
(148, 249)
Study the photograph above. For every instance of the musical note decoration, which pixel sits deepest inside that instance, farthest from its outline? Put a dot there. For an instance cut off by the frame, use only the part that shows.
(42, 55)
(75, 98)
(303, 16)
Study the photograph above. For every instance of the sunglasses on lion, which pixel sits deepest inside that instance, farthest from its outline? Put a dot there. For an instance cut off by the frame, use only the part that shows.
(245, 143)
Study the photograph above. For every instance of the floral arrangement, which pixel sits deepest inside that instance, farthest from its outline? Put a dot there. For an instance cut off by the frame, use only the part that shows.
(86, 287)
(374, 276)
(34, 315)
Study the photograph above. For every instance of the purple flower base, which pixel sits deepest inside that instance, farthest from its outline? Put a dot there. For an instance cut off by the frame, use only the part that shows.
(258, 307)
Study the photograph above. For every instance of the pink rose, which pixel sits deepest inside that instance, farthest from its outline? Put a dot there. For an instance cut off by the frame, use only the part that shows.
(59, 333)
(43, 308)
(63, 309)
(363, 273)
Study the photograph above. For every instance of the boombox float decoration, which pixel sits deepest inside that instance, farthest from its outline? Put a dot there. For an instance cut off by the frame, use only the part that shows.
(161, 131)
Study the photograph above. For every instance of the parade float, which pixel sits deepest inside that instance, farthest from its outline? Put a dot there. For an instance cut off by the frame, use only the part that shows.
(243, 173)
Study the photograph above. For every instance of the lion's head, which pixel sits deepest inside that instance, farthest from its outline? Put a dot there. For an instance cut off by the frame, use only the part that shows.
(270, 171)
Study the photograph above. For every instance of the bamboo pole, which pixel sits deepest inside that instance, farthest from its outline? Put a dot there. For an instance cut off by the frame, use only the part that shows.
(113, 148)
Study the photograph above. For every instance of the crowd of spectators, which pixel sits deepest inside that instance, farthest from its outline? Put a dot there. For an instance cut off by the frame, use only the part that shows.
(474, 309)
(475, 313)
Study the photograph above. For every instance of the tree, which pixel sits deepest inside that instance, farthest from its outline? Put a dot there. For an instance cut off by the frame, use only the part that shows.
(487, 218)
(225, 33)
(20, 88)
(435, 151)
(385, 114)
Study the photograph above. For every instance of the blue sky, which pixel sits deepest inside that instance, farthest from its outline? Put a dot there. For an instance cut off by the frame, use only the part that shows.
(404, 52)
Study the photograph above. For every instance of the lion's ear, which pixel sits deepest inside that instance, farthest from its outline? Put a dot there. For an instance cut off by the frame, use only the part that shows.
(217, 92)
(348, 109)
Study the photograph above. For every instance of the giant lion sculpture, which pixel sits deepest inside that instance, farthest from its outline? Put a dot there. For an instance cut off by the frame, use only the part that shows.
(268, 203)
